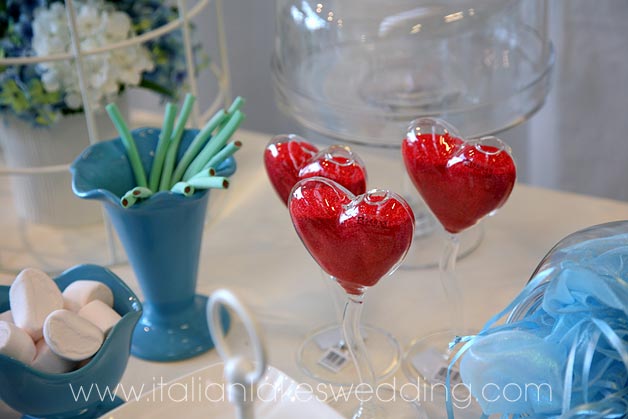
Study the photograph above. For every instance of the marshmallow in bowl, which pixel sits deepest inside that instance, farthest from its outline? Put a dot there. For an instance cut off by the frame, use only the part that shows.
(80, 293)
(7, 317)
(47, 361)
(33, 296)
(101, 315)
(16, 343)
(71, 336)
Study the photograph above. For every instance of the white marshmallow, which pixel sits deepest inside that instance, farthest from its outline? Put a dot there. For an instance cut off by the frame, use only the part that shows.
(7, 317)
(101, 315)
(81, 293)
(33, 296)
(48, 361)
(70, 336)
(16, 343)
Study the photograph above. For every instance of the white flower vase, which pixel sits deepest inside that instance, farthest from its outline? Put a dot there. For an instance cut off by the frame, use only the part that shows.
(47, 198)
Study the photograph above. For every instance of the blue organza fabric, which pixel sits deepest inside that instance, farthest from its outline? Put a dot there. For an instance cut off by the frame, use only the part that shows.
(566, 355)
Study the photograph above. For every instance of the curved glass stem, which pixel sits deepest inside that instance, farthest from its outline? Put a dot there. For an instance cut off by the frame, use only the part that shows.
(355, 343)
(449, 281)
(334, 293)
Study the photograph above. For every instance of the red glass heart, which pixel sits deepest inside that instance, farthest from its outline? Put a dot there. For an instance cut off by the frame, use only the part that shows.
(289, 158)
(357, 240)
(460, 181)
(284, 156)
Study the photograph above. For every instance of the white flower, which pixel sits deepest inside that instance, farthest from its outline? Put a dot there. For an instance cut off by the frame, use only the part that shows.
(99, 24)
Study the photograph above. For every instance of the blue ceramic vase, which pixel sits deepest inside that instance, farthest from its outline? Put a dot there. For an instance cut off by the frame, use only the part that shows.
(58, 396)
(162, 239)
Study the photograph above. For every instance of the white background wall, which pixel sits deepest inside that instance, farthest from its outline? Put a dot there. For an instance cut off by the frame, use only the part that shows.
(578, 142)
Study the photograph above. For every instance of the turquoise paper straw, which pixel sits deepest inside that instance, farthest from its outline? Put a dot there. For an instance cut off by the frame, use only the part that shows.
(162, 146)
(236, 105)
(139, 192)
(207, 182)
(197, 144)
(215, 145)
(128, 200)
(183, 188)
(223, 154)
(128, 142)
(173, 147)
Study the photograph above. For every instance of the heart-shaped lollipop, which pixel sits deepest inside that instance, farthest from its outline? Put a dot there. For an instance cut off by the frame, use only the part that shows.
(284, 156)
(290, 158)
(461, 181)
(356, 239)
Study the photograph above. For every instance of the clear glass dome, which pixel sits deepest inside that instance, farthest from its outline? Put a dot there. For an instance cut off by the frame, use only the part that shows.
(360, 70)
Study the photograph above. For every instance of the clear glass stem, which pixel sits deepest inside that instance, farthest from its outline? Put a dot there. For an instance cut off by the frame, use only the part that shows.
(449, 281)
(355, 343)
(334, 293)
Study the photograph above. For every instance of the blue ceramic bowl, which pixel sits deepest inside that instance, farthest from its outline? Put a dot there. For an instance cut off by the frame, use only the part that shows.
(56, 396)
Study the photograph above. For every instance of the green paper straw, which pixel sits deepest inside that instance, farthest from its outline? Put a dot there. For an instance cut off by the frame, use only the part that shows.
(183, 188)
(215, 145)
(207, 182)
(128, 142)
(223, 154)
(197, 144)
(236, 105)
(128, 200)
(206, 172)
(162, 146)
(139, 192)
(173, 147)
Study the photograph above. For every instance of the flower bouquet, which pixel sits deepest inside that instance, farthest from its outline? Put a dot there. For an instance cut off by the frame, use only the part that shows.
(41, 103)
(41, 93)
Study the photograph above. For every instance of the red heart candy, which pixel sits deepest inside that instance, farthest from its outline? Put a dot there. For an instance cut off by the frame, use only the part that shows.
(357, 240)
(284, 156)
(289, 158)
(460, 181)
(339, 164)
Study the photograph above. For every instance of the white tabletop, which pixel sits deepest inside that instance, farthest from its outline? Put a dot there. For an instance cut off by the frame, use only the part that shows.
(251, 248)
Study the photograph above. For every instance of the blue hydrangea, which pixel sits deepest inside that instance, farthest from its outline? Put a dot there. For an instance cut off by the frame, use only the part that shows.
(21, 90)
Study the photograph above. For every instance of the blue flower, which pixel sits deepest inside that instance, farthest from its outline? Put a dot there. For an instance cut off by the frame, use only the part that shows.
(21, 90)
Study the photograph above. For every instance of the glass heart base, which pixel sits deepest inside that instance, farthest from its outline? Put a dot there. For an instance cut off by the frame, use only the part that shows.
(383, 350)
(428, 357)
(425, 365)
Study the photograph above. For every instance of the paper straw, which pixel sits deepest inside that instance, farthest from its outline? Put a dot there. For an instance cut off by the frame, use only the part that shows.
(128, 142)
(173, 147)
(206, 172)
(139, 192)
(197, 144)
(162, 146)
(223, 154)
(127, 200)
(236, 105)
(183, 188)
(207, 182)
(215, 145)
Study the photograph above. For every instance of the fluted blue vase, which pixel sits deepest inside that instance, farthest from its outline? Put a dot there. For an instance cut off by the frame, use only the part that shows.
(162, 239)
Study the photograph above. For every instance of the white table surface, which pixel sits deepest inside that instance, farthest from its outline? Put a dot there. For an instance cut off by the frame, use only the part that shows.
(251, 248)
